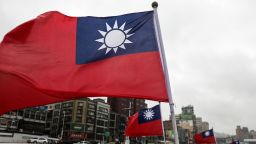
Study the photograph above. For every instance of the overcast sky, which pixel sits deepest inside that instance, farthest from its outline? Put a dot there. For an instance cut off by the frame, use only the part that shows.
(210, 47)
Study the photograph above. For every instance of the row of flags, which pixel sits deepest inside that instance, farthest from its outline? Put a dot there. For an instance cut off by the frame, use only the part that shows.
(55, 58)
(147, 122)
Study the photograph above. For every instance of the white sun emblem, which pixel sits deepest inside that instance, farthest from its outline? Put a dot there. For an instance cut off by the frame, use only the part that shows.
(149, 114)
(207, 133)
(114, 38)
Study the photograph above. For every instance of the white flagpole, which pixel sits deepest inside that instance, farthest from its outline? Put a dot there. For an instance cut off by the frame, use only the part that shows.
(164, 64)
(162, 124)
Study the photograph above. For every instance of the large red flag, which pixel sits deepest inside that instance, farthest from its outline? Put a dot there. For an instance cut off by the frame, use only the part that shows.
(146, 122)
(206, 137)
(55, 57)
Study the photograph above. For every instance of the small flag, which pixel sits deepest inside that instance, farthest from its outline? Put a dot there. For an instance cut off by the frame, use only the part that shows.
(146, 122)
(206, 137)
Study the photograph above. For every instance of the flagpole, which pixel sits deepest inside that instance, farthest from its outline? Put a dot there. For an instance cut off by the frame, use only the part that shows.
(163, 59)
(162, 123)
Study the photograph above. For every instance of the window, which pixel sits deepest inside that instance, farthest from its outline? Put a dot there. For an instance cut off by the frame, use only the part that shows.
(56, 113)
(57, 106)
(91, 106)
(80, 104)
(102, 109)
(112, 124)
(38, 116)
(100, 122)
(79, 111)
(79, 119)
(90, 128)
(90, 113)
(100, 130)
(69, 104)
(103, 116)
(27, 114)
(90, 120)
(112, 116)
(68, 118)
(68, 111)
(106, 124)
(55, 120)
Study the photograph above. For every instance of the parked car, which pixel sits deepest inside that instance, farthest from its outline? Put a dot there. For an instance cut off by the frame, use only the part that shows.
(38, 140)
(82, 142)
(53, 140)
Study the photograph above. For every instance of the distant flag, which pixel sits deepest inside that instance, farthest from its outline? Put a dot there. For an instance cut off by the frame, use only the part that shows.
(206, 137)
(55, 58)
(146, 122)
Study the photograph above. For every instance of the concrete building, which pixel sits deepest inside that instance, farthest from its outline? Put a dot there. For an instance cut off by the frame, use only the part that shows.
(205, 126)
(242, 133)
(253, 134)
(29, 120)
(121, 105)
(83, 119)
(102, 119)
(199, 124)
(117, 123)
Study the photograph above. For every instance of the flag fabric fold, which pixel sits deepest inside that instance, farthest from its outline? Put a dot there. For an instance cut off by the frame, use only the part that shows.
(205, 137)
(146, 122)
(55, 57)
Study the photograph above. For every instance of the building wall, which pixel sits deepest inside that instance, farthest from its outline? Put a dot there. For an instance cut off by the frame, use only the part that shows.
(122, 105)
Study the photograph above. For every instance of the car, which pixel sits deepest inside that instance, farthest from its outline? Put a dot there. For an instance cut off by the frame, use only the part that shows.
(53, 140)
(82, 142)
(38, 140)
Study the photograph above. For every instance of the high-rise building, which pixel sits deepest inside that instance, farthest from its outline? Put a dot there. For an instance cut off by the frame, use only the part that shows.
(253, 134)
(205, 126)
(117, 123)
(242, 133)
(102, 119)
(199, 124)
(122, 105)
(29, 120)
(82, 119)
(186, 124)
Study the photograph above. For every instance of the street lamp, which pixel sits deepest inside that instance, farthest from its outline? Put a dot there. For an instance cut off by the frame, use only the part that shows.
(62, 125)
(127, 141)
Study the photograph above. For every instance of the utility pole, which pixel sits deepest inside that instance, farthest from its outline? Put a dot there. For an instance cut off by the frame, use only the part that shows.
(62, 125)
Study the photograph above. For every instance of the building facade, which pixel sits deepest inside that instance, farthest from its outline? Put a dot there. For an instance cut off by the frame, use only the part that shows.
(126, 106)
(29, 120)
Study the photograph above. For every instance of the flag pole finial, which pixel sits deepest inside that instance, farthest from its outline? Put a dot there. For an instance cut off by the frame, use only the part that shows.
(154, 4)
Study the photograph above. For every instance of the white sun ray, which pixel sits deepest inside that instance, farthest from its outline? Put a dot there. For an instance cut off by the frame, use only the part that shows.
(114, 37)
(126, 31)
(129, 35)
(122, 27)
(127, 41)
(101, 40)
(108, 50)
(102, 33)
(122, 46)
(115, 49)
(102, 47)
(115, 25)
(108, 27)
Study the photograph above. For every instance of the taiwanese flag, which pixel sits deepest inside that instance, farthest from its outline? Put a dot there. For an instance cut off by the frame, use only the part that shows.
(146, 122)
(206, 137)
(55, 57)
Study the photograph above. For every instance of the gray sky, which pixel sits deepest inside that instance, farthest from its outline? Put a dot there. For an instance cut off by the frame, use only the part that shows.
(210, 47)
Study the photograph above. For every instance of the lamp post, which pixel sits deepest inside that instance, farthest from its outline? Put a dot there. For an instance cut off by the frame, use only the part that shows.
(62, 125)
(127, 141)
